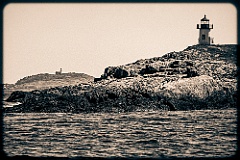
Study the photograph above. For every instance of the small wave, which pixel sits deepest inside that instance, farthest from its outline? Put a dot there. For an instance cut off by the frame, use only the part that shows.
(152, 141)
(10, 104)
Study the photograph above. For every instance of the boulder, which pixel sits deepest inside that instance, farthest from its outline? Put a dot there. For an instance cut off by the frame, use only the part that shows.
(17, 96)
(116, 72)
(149, 69)
(191, 72)
(120, 73)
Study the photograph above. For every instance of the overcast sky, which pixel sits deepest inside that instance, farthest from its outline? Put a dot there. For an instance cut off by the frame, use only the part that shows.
(86, 38)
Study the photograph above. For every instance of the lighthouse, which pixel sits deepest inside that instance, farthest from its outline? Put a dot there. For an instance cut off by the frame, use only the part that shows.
(204, 29)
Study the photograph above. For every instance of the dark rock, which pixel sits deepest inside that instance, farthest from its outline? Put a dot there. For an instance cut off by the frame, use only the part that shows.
(17, 96)
(189, 63)
(120, 73)
(149, 69)
(170, 105)
(97, 79)
(174, 64)
(116, 72)
(191, 72)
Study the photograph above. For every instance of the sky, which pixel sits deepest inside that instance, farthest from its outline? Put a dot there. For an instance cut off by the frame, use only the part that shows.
(88, 37)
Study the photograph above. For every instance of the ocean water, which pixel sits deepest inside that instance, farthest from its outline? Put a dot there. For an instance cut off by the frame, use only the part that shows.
(200, 133)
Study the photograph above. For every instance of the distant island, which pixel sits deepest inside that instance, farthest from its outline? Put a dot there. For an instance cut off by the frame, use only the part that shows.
(46, 81)
(199, 77)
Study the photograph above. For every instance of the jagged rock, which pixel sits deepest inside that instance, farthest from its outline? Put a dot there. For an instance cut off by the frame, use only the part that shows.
(120, 73)
(116, 72)
(17, 96)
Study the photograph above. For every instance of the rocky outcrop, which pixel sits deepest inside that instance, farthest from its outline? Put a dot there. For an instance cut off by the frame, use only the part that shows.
(115, 72)
(216, 61)
(191, 79)
(17, 96)
(149, 69)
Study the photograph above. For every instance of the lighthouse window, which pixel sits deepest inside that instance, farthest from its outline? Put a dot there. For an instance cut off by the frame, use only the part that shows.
(203, 37)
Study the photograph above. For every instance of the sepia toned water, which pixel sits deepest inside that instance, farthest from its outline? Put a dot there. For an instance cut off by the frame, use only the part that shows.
(202, 133)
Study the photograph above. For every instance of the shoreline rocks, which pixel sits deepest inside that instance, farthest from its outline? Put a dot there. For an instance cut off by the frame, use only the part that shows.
(194, 78)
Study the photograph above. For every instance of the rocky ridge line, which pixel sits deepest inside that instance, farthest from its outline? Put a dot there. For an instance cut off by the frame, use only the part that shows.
(199, 77)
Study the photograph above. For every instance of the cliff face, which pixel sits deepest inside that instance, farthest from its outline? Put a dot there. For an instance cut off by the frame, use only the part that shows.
(199, 77)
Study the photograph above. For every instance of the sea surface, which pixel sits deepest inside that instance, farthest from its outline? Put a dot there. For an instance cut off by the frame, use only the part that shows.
(200, 133)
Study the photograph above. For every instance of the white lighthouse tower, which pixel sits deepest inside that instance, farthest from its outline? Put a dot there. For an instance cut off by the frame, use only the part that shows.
(204, 29)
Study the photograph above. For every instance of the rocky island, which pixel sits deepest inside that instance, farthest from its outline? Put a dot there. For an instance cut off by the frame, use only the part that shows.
(199, 77)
